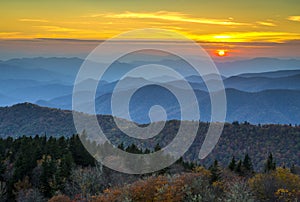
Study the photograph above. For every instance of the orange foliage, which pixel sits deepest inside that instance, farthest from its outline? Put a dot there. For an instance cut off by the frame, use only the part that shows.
(160, 188)
(60, 198)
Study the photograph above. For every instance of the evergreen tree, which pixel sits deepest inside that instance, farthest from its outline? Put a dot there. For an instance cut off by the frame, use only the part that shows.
(238, 168)
(215, 171)
(121, 146)
(80, 155)
(133, 149)
(157, 147)
(232, 164)
(66, 164)
(147, 151)
(247, 164)
(47, 177)
(270, 164)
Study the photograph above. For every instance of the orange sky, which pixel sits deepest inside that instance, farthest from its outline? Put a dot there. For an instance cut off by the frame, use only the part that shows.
(242, 28)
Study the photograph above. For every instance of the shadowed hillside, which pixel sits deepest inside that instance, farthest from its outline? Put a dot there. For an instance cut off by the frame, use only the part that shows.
(237, 138)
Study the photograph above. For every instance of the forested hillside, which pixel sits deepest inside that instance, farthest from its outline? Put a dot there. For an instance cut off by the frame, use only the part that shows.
(40, 169)
(237, 138)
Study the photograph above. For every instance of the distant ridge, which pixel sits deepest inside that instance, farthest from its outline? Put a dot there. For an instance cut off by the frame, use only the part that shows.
(267, 106)
(260, 97)
(272, 74)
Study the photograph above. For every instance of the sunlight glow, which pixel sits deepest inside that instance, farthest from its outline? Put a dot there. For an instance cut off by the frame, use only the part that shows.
(221, 53)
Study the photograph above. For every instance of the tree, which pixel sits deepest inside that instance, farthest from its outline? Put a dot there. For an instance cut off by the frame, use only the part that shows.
(238, 190)
(30, 195)
(86, 182)
(133, 149)
(64, 170)
(3, 191)
(247, 163)
(48, 181)
(238, 168)
(232, 164)
(80, 155)
(270, 164)
(121, 146)
(157, 147)
(215, 171)
(276, 185)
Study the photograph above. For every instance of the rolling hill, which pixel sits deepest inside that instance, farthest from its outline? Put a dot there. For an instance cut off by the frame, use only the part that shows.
(269, 106)
(236, 139)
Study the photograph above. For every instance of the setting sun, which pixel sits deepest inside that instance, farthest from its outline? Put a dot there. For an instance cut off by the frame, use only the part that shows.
(221, 53)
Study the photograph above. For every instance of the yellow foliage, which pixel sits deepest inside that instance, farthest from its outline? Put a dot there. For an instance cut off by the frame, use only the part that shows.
(281, 183)
(287, 178)
(218, 184)
(202, 171)
(286, 195)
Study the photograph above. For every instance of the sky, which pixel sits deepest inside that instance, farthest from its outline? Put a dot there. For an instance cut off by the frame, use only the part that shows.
(243, 29)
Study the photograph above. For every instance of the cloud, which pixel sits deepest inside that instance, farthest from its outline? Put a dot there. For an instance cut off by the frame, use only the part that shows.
(32, 20)
(294, 18)
(57, 29)
(266, 23)
(71, 40)
(9, 35)
(277, 37)
(169, 16)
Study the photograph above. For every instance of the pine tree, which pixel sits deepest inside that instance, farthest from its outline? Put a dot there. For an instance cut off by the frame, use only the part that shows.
(232, 164)
(147, 151)
(133, 149)
(238, 168)
(215, 171)
(270, 164)
(121, 146)
(247, 164)
(47, 176)
(157, 147)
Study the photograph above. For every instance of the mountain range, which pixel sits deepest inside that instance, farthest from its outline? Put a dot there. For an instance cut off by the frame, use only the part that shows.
(260, 90)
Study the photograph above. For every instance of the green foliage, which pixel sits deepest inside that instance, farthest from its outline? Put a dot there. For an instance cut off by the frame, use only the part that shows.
(38, 168)
(80, 155)
(237, 138)
(238, 168)
(232, 164)
(247, 164)
(242, 167)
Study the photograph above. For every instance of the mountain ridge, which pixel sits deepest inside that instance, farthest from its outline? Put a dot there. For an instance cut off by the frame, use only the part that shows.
(237, 138)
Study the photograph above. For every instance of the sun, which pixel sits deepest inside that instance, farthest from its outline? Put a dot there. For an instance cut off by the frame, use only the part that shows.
(221, 53)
